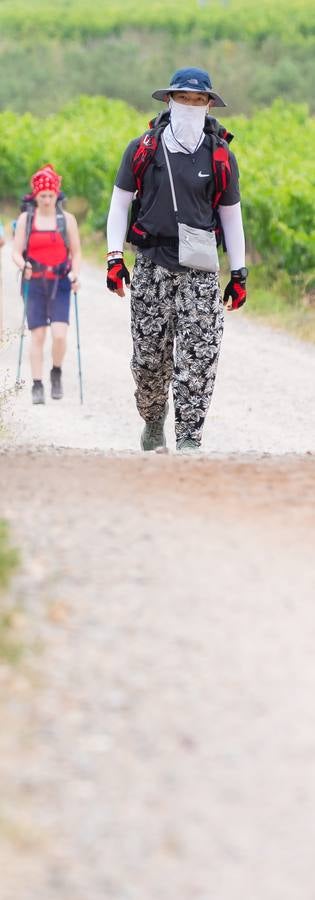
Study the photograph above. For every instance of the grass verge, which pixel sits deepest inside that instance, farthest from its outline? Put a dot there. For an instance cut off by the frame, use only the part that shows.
(282, 303)
(10, 649)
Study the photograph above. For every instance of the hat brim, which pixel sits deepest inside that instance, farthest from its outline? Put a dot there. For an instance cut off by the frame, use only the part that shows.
(162, 95)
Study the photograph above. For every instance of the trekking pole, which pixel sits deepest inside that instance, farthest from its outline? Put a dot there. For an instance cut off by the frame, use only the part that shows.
(1, 293)
(25, 290)
(78, 344)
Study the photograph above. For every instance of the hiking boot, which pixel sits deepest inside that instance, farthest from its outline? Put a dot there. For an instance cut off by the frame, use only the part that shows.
(56, 383)
(38, 393)
(187, 445)
(153, 437)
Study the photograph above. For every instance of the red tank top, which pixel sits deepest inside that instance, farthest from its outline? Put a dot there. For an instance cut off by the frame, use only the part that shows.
(48, 248)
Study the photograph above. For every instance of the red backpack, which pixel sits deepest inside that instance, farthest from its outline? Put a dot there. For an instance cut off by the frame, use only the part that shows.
(220, 139)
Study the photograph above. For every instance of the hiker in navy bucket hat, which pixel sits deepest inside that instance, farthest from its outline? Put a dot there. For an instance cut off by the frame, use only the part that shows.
(181, 180)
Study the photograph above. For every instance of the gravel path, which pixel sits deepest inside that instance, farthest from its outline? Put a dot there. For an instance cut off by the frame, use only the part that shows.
(157, 737)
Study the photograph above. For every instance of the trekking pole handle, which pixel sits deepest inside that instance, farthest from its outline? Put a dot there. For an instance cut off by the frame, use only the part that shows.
(75, 283)
(27, 271)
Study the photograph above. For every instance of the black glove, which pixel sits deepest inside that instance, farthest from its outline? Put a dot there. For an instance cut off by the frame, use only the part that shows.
(116, 272)
(236, 288)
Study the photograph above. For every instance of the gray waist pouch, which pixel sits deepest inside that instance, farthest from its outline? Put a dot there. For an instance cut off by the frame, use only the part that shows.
(197, 248)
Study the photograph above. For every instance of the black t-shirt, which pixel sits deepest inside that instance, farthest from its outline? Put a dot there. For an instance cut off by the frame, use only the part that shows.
(194, 188)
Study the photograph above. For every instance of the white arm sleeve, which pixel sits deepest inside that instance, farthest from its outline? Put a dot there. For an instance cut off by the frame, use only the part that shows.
(118, 218)
(232, 224)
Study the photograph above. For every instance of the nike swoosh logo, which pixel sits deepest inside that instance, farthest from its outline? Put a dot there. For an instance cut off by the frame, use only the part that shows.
(203, 174)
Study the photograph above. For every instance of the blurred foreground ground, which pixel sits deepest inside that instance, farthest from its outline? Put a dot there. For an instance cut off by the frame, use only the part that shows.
(157, 740)
(157, 737)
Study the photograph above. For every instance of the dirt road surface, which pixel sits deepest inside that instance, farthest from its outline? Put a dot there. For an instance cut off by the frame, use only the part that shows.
(158, 734)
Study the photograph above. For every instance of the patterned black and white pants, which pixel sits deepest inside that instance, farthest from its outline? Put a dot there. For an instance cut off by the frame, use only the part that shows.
(177, 326)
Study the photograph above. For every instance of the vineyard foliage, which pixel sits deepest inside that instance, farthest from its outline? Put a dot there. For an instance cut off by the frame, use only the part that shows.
(85, 141)
(289, 20)
(51, 53)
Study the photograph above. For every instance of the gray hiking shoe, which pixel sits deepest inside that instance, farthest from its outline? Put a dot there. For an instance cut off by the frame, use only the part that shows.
(56, 383)
(153, 437)
(38, 393)
(187, 445)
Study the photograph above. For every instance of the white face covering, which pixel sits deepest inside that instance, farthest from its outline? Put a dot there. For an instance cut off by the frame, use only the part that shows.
(186, 127)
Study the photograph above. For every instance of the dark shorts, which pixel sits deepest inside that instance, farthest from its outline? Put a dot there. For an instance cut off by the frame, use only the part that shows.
(48, 302)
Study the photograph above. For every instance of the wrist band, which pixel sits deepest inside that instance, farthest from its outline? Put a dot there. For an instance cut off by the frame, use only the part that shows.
(114, 252)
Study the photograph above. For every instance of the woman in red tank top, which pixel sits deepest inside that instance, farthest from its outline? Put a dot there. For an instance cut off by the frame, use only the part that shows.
(47, 256)
(47, 248)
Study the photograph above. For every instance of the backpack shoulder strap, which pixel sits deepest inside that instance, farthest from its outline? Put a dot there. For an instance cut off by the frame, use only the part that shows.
(143, 157)
(221, 167)
(146, 151)
(61, 224)
(30, 213)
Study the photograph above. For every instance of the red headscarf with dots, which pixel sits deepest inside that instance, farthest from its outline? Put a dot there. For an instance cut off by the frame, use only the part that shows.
(46, 179)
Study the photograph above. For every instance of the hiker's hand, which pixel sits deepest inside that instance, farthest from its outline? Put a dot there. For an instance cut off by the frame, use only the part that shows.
(27, 271)
(235, 292)
(117, 273)
(75, 285)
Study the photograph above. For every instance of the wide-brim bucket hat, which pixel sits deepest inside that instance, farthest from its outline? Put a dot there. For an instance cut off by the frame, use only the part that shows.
(194, 80)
